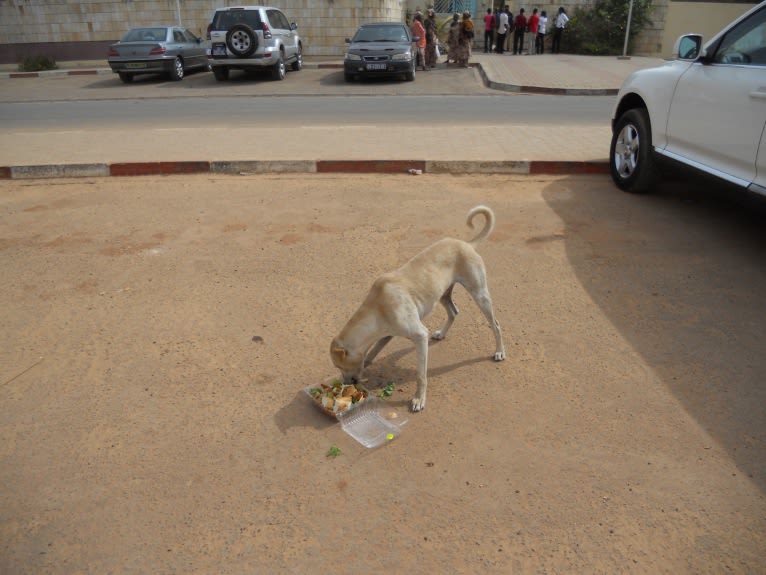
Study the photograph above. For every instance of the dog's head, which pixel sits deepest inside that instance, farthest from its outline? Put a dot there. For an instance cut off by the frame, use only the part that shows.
(349, 362)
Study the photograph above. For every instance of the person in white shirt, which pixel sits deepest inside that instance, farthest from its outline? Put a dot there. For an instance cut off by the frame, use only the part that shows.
(542, 27)
(502, 30)
(559, 24)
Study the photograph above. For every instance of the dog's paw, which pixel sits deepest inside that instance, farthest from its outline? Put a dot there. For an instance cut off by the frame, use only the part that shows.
(499, 356)
(437, 335)
(417, 404)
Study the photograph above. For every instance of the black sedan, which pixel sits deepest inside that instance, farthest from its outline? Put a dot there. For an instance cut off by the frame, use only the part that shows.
(170, 50)
(380, 49)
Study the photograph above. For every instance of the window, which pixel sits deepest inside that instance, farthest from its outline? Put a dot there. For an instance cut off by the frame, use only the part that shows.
(746, 43)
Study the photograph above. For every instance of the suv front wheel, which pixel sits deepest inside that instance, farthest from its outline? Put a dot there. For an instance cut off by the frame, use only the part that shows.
(297, 65)
(631, 159)
(241, 40)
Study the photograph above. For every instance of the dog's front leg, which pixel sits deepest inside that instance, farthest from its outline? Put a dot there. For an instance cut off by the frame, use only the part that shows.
(420, 340)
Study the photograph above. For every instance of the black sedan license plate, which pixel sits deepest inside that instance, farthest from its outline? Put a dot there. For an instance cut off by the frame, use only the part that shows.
(376, 66)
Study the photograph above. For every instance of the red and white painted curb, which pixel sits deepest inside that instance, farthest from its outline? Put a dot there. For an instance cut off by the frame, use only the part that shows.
(301, 166)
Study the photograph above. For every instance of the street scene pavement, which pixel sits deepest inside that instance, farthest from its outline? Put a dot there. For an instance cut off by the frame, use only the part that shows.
(506, 147)
(158, 333)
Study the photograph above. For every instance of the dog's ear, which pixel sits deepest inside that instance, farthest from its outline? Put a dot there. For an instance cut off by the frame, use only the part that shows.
(338, 351)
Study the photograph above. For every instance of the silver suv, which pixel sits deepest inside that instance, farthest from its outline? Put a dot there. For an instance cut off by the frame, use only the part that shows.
(253, 38)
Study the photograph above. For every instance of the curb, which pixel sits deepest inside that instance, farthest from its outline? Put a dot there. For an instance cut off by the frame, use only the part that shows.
(302, 166)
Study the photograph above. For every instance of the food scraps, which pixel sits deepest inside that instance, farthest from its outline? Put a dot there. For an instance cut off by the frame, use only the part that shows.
(335, 398)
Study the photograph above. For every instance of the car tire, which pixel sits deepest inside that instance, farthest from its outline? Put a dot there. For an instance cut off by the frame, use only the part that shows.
(349, 77)
(125, 77)
(631, 158)
(241, 40)
(220, 73)
(279, 69)
(297, 65)
(177, 71)
(410, 76)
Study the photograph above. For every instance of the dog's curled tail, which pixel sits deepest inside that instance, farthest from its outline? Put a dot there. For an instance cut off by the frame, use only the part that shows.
(489, 223)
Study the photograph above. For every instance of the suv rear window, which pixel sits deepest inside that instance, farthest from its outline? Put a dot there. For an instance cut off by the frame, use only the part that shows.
(225, 19)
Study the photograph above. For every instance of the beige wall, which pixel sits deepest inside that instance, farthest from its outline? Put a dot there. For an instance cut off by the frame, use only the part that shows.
(704, 18)
(323, 24)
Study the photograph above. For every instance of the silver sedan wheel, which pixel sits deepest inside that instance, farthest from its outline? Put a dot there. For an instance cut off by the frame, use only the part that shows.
(177, 73)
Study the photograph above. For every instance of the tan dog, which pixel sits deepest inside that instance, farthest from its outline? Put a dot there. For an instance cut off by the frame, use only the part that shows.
(399, 300)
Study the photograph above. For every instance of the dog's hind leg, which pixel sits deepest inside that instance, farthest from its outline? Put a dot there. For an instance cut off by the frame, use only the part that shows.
(452, 311)
(484, 301)
(376, 349)
(480, 294)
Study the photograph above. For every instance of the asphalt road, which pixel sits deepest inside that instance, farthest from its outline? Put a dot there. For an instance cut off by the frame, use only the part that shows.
(310, 97)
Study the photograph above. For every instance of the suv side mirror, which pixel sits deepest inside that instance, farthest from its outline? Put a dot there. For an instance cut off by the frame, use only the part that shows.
(688, 47)
(293, 26)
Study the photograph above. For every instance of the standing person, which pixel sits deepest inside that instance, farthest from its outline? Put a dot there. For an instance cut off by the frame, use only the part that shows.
(466, 39)
(453, 39)
(541, 29)
(431, 39)
(532, 24)
(502, 30)
(510, 28)
(419, 30)
(558, 29)
(489, 28)
(519, 27)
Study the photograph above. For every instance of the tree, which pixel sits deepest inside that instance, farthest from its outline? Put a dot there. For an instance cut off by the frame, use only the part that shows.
(600, 29)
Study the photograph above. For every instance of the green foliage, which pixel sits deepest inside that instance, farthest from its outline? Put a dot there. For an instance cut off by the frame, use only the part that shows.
(600, 28)
(37, 63)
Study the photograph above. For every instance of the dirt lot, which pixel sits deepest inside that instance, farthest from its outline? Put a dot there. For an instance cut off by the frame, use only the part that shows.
(157, 332)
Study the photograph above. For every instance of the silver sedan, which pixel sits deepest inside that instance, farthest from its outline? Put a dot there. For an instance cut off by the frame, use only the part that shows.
(170, 50)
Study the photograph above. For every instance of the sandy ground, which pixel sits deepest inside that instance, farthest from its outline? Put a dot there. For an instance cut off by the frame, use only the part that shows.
(157, 332)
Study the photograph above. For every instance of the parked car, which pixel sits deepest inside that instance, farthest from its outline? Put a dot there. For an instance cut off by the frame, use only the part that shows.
(171, 50)
(705, 109)
(380, 49)
(253, 38)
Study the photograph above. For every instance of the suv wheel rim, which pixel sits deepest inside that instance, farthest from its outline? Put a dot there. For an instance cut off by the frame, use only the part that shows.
(240, 41)
(626, 151)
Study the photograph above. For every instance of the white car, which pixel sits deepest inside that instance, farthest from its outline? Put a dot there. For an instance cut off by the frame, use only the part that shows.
(705, 109)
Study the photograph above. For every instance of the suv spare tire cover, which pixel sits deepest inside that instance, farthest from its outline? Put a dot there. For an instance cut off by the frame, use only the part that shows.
(241, 40)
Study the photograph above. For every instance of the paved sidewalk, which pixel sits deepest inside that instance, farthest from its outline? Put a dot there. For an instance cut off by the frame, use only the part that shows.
(384, 149)
(548, 73)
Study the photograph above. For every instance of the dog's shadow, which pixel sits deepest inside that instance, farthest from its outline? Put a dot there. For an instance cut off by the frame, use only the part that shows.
(301, 411)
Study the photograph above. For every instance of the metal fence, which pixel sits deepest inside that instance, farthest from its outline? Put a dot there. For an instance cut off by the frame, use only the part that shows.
(452, 6)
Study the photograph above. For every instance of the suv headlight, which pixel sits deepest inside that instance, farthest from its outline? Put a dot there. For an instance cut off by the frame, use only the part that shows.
(350, 56)
(403, 57)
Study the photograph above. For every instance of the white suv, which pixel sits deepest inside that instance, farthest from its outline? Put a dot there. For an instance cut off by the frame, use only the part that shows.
(705, 109)
(253, 38)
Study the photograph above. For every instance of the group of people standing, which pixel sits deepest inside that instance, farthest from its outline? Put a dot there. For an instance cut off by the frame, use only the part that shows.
(503, 32)
(459, 40)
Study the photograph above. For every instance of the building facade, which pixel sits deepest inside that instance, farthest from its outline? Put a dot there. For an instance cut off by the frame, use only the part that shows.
(68, 30)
